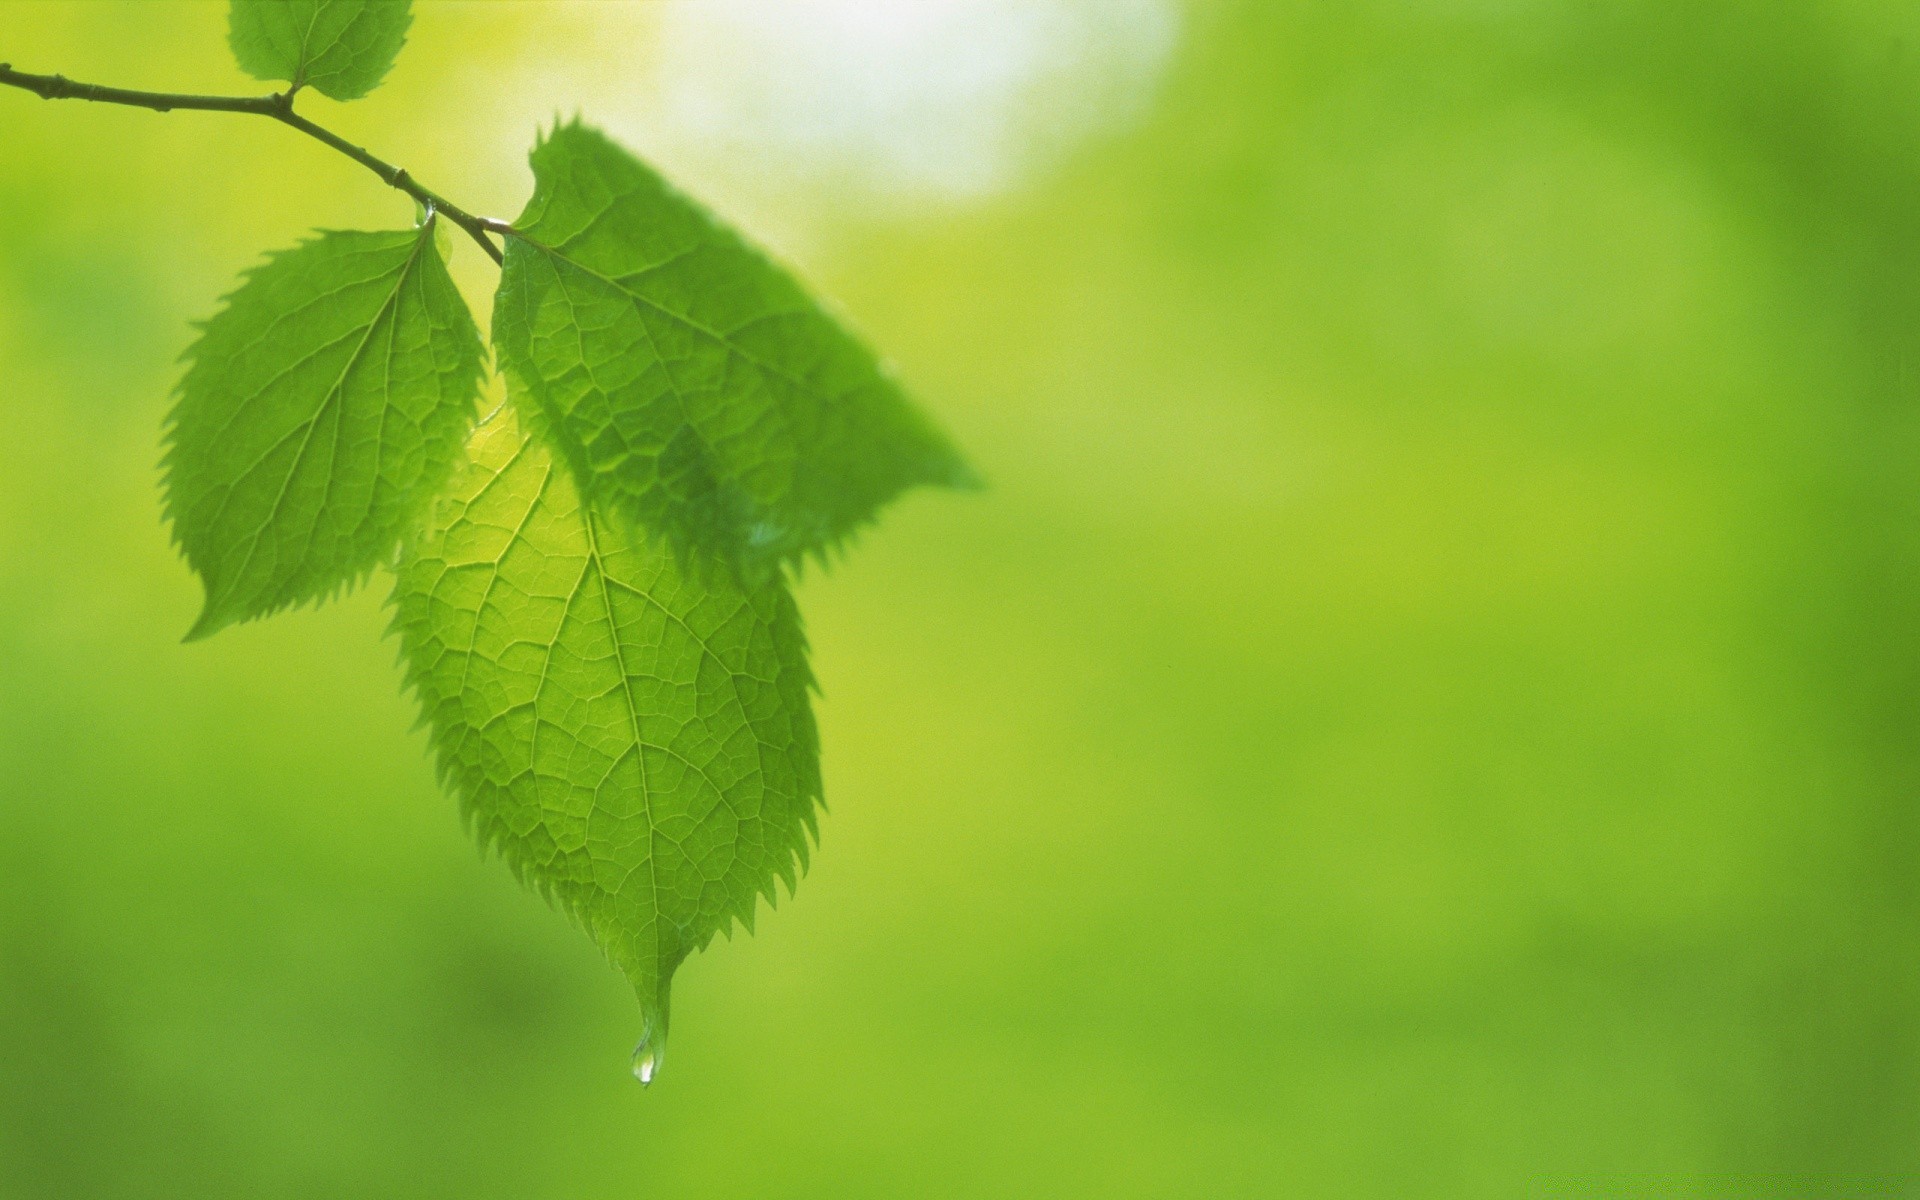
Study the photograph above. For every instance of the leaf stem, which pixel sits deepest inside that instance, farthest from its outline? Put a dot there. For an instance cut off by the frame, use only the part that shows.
(278, 106)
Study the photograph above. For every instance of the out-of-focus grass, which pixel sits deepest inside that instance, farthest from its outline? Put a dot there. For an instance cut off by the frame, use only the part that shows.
(1426, 708)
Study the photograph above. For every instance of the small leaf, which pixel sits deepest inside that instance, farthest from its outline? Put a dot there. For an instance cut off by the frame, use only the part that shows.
(322, 408)
(634, 739)
(688, 382)
(339, 48)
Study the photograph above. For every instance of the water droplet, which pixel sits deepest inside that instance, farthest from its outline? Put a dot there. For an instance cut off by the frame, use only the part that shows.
(647, 1055)
(645, 1063)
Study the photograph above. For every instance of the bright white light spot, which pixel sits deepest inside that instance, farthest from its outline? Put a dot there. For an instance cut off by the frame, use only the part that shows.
(912, 100)
(792, 117)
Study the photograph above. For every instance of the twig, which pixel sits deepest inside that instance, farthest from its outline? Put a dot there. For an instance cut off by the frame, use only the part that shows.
(278, 106)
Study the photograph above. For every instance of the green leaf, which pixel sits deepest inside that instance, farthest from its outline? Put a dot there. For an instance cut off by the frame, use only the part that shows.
(635, 739)
(688, 382)
(321, 409)
(339, 48)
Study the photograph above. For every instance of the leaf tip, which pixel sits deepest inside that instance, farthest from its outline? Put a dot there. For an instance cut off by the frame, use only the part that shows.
(211, 622)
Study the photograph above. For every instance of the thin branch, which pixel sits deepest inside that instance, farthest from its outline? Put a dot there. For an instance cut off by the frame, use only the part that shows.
(278, 106)
(394, 176)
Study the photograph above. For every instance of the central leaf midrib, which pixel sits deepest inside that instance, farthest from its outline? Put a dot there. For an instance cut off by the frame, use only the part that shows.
(596, 564)
(722, 340)
(387, 306)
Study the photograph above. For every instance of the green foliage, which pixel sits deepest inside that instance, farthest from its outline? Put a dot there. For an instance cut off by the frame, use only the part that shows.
(322, 408)
(339, 48)
(634, 738)
(592, 601)
(689, 383)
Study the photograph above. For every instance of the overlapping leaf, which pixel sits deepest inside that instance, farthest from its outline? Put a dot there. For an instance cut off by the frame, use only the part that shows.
(590, 601)
(689, 383)
(635, 738)
(322, 407)
(339, 48)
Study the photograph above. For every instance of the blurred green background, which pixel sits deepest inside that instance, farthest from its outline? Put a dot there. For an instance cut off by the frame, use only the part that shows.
(1426, 708)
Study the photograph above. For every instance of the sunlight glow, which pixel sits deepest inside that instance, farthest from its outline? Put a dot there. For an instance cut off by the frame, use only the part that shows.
(927, 100)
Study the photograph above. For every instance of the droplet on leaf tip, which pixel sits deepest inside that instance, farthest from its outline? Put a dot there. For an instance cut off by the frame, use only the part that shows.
(645, 1063)
(647, 1055)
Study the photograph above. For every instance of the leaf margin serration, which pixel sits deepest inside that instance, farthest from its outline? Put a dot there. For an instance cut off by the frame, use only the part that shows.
(457, 413)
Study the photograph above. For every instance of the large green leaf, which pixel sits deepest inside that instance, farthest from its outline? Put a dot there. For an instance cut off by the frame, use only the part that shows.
(323, 406)
(636, 739)
(690, 383)
(339, 48)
